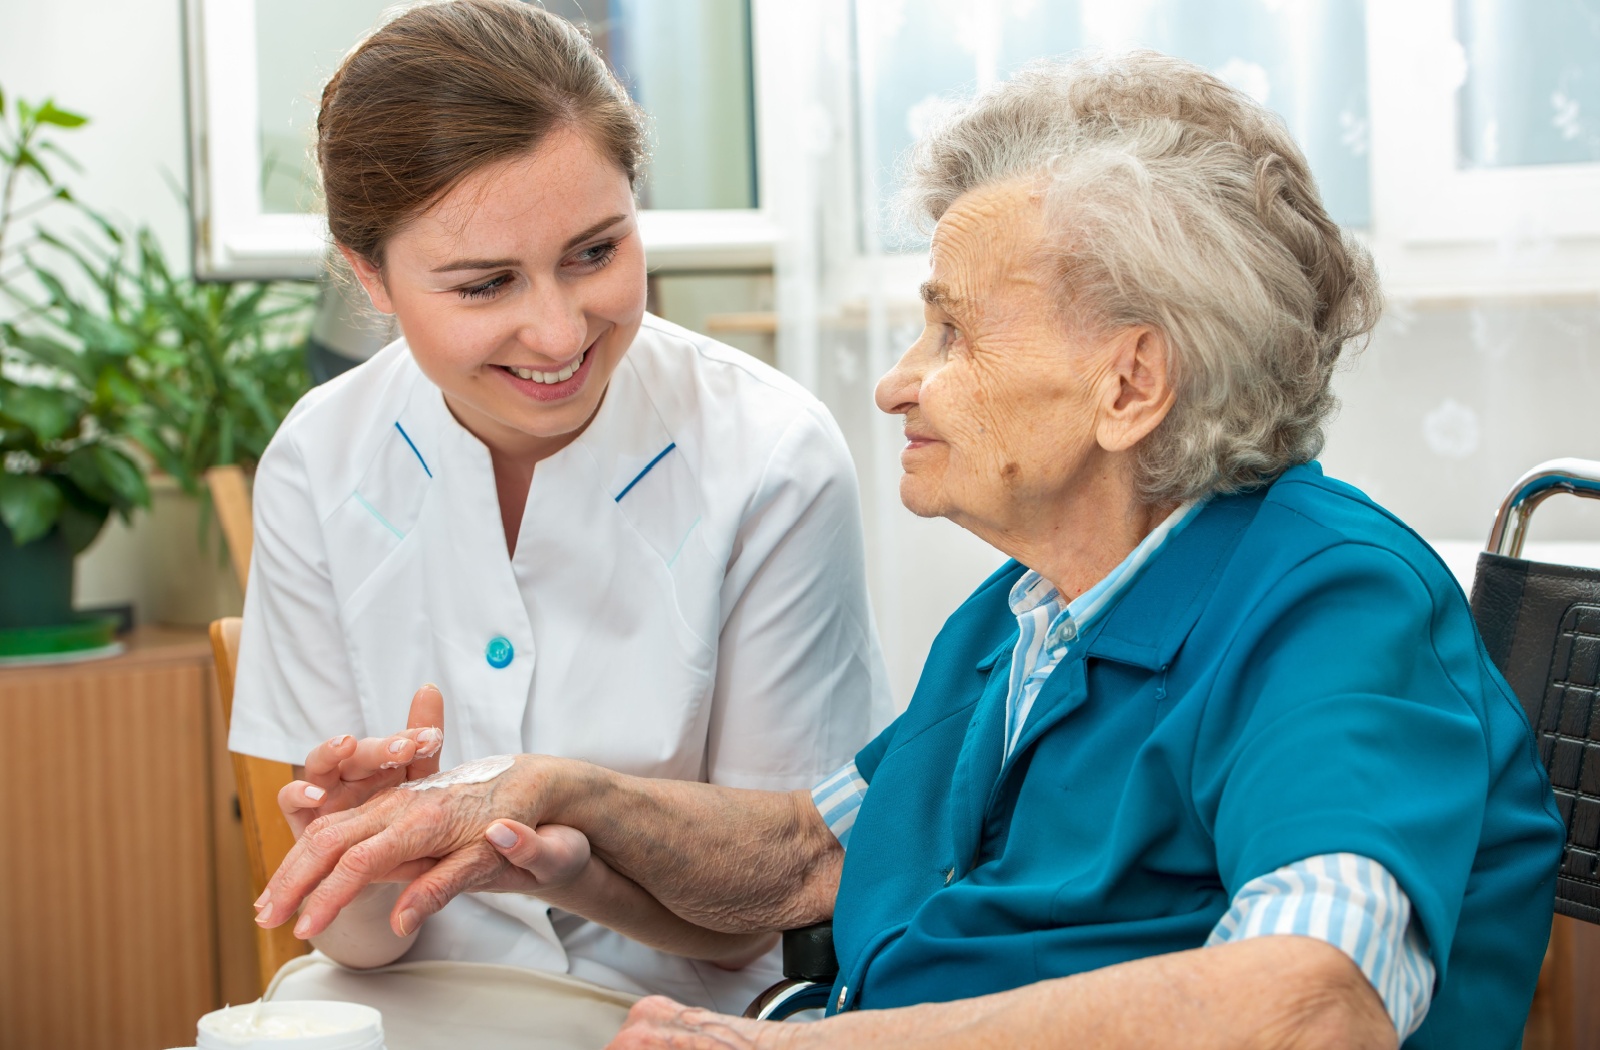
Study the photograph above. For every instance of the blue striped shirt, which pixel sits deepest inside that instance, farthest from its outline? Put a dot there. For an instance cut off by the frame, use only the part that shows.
(1348, 901)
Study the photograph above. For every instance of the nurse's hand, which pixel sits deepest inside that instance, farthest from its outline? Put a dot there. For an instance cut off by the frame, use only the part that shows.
(552, 854)
(344, 772)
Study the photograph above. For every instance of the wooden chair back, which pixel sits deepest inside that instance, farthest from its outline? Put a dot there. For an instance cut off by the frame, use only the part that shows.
(266, 834)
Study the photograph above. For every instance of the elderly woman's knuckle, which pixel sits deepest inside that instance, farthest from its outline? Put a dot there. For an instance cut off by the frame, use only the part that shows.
(324, 835)
(361, 859)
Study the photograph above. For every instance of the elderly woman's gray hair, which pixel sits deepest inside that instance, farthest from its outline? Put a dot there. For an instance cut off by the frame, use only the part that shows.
(1178, 202)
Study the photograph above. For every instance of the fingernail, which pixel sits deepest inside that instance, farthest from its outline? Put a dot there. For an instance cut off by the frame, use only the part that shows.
(264, 916)
(429, 736)
(266, 895)
(408, 921)
(501, 836)
(430, 685)
(397, 746)
(302, 929)
(315, 793)
(339, 740)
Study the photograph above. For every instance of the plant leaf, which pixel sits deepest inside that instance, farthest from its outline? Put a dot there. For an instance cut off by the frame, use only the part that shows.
(50, 113)
(81, 517)
(48, 412)
(29, 506)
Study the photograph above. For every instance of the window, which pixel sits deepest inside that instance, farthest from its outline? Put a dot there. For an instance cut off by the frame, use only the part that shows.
(258, 65)
(1459, 138)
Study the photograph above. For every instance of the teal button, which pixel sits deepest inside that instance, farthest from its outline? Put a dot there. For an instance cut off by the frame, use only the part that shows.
(499, 652)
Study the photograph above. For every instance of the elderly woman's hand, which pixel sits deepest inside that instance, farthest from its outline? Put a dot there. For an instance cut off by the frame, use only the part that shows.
(344, 772)
(658, 1023)
(434, 837)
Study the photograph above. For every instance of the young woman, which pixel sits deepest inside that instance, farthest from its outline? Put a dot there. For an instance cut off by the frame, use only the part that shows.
(600, 535)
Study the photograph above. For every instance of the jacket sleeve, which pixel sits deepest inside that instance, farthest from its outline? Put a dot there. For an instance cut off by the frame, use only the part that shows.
(1339, 724)
(294, 685)
(800, 678)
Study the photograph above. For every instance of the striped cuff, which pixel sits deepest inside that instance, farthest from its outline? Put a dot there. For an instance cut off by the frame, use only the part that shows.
(838, 798)
(1354, 904)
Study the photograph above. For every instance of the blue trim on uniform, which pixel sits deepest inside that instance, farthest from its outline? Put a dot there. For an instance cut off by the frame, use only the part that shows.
(374, 512)
(413, 445)
(640, 476)
(683, 543)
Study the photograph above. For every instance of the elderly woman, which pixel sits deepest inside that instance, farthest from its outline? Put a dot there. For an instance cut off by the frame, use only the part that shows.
(1216, 760)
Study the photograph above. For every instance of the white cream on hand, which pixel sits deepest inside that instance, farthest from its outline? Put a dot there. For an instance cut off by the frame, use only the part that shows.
(478, 771)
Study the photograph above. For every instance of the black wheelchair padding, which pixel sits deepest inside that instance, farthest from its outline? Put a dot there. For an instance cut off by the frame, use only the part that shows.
(808, 954)
(1541, 625)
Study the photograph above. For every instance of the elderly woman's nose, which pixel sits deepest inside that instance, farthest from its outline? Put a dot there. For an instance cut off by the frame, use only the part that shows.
(897, 390)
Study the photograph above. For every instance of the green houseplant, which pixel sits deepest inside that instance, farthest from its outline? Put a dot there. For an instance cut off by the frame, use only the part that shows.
(64, 467)
(133, 356)
(215, 368)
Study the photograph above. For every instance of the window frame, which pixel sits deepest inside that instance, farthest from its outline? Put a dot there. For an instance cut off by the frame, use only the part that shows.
(1443, 232)
(234, 238)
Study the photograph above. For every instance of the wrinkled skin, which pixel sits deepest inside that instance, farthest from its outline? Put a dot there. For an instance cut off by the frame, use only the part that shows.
(658, 1023)
(434, 839)
(1019, 420)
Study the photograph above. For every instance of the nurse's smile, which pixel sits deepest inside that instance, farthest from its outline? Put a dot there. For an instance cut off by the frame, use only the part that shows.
(550, 384)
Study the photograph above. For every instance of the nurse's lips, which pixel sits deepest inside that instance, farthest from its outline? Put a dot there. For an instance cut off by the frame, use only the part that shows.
(559, 390)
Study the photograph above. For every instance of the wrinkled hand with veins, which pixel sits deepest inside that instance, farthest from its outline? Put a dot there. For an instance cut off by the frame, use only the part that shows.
(353, 829)
(436, 840)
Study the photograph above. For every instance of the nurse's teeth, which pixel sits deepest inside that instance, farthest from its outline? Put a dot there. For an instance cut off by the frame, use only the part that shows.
(549, 377)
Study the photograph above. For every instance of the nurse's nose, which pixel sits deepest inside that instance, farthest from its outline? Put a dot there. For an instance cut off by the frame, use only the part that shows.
(553, 324)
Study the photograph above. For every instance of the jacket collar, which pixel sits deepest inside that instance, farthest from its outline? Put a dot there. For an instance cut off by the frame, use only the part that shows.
(1154, 616)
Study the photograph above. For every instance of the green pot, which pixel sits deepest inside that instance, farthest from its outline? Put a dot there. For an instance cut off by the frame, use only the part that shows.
(35, 581)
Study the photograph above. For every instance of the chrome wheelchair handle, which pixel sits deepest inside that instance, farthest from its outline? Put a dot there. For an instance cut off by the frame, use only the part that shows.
(789, 997)
(1580, 477)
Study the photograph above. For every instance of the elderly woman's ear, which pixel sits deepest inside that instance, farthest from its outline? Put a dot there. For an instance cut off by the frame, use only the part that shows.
(1138, 390)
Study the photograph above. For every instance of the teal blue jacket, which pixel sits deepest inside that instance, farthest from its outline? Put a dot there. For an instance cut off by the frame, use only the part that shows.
(1295, 673)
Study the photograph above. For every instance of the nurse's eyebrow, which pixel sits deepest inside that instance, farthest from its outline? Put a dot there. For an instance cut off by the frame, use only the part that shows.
(603, 224)
(497, 264)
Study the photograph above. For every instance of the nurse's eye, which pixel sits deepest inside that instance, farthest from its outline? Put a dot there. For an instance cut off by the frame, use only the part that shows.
(595, 257)
(487, 290)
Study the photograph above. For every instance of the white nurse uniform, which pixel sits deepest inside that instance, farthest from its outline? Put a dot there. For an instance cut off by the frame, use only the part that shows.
(687, 600)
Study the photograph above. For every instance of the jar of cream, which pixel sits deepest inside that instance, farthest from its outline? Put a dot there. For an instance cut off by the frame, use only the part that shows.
(300, 1024)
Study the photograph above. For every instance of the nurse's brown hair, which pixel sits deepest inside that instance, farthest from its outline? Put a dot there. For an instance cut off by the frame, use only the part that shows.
(447, 88)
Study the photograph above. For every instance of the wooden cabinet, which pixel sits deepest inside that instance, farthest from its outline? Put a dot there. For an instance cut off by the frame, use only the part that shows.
(124, 898)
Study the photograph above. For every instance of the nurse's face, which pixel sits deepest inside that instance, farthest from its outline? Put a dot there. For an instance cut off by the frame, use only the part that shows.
(519, 291)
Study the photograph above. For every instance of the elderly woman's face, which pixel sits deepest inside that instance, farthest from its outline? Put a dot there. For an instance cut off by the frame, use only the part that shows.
(1005, 406)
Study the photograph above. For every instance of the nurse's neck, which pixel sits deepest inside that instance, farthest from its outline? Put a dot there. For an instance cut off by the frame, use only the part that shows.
(514, 455)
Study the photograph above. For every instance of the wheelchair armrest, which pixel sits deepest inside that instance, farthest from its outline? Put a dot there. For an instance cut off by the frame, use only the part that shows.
(809, 969)
(808, 954)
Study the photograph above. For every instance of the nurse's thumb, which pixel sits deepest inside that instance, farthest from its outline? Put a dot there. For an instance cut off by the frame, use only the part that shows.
(554, 855)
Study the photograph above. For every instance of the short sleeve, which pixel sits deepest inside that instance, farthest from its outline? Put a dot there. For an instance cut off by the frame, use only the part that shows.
(1336, 727)
(294, 685)
(800, 678)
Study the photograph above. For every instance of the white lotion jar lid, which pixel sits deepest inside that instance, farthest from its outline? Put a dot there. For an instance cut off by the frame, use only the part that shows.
(292, 1024)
